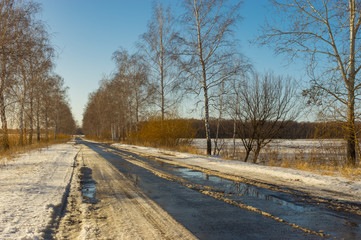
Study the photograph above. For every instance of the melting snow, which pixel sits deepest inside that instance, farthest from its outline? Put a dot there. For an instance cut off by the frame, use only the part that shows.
(321, 185)
(31, 186)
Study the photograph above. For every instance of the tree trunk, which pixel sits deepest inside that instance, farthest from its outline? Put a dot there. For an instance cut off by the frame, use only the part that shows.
(256, 153)
(234, 137)
(56, 128)
(46, 126)
(217, 150)
(248, 151)
(21, 124)
(162, 81)
(5, 136)
(31, 127)
(351, 136)
(204, 83)
(38, 119)
(206, 121)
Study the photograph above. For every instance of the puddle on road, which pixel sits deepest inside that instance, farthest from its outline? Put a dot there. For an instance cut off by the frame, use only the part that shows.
(237, 190)
(189, 208)
(87, 185)
(292, 208)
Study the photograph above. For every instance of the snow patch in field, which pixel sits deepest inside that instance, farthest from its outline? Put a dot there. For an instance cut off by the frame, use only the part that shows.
(327, 186)
(31, 187)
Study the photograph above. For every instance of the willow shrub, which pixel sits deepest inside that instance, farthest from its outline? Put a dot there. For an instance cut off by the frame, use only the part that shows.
(169, 133)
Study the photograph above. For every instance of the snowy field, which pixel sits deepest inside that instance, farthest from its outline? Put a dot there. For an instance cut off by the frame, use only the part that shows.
(319, 185)
(283, 146)
(31, 189)
(322, 151)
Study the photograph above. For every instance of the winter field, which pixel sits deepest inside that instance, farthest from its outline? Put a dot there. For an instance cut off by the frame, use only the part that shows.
(283, 146)
(323, 151)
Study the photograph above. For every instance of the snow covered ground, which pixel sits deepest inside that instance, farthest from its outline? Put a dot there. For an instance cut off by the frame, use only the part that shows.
(282, 146)
(32, 186)
(31, 189)
(319, 185)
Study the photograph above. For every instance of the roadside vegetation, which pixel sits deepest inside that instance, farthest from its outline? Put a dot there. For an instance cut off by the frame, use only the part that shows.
(16, 149)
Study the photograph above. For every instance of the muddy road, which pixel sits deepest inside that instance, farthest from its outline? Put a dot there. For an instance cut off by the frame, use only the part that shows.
(125, 195)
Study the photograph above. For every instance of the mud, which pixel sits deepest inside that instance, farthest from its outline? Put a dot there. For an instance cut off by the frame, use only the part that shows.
(87, 185)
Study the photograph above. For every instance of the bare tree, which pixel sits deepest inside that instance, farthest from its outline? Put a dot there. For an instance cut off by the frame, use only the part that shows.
(266, 104)
(117, 107)
(16, 19)
(8, 34)
(207, 47)
(159, 48)
(134, 74)
(326, 33)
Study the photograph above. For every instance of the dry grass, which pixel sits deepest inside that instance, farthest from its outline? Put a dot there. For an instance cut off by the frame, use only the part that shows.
(97, 139)
(325, 161)
(186, 148)
(16, 149)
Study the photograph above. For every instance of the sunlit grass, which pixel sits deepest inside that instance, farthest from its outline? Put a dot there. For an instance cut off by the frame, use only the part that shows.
(320, 161)
(16, 148)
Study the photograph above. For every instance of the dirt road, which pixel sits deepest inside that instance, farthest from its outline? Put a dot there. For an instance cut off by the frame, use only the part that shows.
(145, 197)
(119, 209)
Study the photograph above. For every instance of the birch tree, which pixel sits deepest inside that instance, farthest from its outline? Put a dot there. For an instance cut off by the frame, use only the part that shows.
(15, 21)
(134, 74)
(326, 33)
(208, 46)
(159, 47)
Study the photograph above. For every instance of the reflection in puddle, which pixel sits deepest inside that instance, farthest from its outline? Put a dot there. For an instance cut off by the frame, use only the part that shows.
(87, 185)
(239, 191)
(189, 206)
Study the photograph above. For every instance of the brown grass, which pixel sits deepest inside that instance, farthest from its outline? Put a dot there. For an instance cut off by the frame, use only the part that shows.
(327, 160)
(324, 162)
(16, 149)
(186, 148)
(98, 139)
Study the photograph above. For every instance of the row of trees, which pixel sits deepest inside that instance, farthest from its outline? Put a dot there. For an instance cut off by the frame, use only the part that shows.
(293, 129)
(32, 98)
(199, 58)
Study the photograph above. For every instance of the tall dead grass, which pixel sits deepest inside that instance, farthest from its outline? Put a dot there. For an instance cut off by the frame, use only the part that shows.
(16, 149)
(327, 160)
(186, 148)
(99, 139)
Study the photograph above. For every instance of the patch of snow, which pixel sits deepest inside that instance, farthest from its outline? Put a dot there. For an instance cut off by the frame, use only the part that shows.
(322, 185)
(31, 187)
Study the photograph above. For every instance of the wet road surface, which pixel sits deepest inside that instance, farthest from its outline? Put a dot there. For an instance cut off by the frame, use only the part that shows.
(215, 208)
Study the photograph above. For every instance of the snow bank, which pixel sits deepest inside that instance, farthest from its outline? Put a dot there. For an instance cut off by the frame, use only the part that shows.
(324, 186)
(31, 187)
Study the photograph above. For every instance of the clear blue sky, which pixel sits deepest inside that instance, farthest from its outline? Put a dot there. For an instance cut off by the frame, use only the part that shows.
(87, 32)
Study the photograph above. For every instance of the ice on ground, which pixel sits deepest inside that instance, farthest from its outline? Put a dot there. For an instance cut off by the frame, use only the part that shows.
(320, 185)
(31, 187)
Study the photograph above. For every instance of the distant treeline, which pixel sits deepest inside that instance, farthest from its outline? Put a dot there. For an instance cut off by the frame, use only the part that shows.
(293, 130)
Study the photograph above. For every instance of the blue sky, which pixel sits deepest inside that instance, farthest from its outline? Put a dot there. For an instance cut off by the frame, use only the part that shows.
(86, 33)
